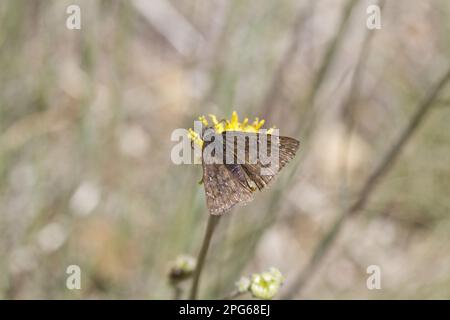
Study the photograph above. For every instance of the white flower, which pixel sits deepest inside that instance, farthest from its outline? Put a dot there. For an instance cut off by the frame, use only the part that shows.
(243, 284)
(182, 268)
(263, 285)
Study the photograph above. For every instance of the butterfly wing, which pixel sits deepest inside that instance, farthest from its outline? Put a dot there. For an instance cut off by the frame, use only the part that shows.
(229, 184)
(287, 148)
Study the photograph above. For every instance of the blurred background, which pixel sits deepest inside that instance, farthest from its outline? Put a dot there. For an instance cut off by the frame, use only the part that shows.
(85, 123)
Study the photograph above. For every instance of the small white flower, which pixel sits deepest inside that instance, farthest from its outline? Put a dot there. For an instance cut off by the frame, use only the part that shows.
(243, 284)
(182, 268)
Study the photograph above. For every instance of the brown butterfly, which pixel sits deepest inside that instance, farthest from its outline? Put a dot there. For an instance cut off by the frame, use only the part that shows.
(228, 183)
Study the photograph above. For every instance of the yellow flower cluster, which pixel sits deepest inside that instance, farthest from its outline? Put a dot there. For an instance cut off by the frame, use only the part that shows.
(227, 125)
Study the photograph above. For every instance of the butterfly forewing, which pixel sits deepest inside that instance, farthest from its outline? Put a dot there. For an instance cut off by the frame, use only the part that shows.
(261, 175)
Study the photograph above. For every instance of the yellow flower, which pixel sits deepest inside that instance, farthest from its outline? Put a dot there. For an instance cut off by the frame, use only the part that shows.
(194, 136)
(227, 125)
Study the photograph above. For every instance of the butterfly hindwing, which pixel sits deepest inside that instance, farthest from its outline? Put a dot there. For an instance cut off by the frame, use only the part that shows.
(223, 189)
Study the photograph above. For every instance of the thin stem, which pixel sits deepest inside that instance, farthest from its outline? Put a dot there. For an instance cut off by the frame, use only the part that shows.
(275, 89)
(367, 189)
(331, 50)
(349, 107)
(212, 223)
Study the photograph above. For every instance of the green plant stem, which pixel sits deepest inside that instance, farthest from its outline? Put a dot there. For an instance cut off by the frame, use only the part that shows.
(212, 223)
(331, 51)
(177, 292)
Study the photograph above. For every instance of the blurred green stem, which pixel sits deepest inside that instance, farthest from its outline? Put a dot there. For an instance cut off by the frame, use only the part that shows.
(177, 292)
(212, 223)
(331, 51)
